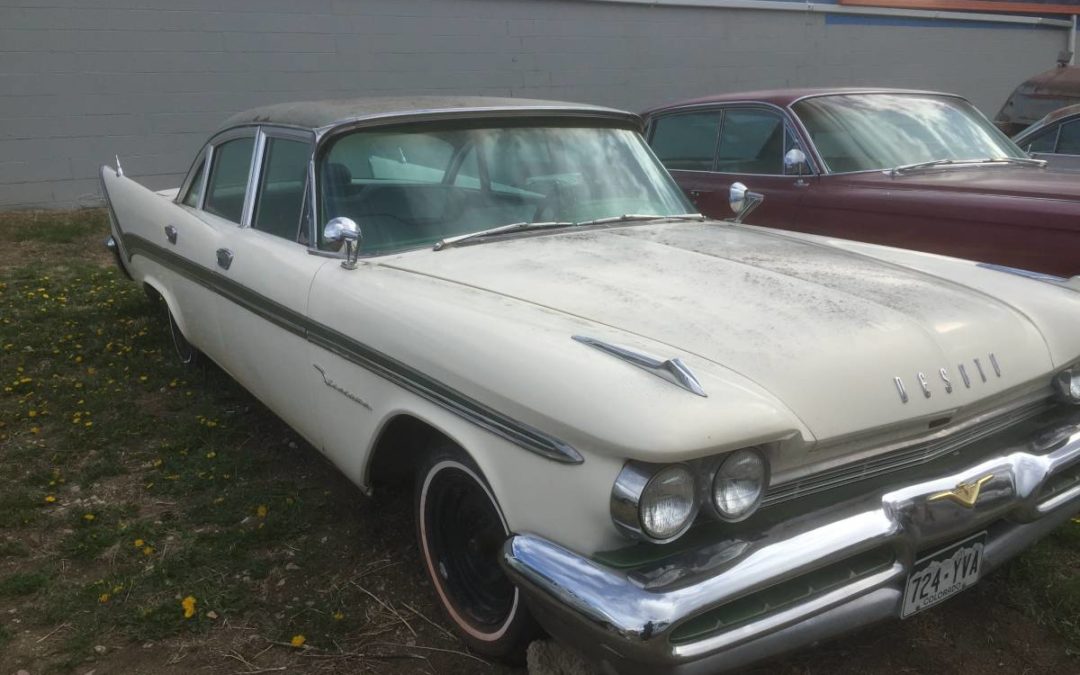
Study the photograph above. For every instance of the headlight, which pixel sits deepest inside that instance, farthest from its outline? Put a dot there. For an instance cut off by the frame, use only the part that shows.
(1067, 384)
(739, 483)
(656, 505)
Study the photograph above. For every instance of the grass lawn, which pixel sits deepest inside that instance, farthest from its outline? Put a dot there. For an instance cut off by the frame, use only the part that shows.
(158, 519)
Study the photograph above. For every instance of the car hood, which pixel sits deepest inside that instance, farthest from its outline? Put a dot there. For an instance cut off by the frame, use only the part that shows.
(824, 330)
(1011, 181)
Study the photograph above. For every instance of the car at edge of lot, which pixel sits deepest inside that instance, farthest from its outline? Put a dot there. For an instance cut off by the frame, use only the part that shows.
(914, 169)
(1055, 138)
(680, 444)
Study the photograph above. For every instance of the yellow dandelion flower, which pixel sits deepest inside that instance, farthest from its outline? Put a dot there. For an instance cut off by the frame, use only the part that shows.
(32, 413)
(188, 604)
(148, 550)
(298, 641)
(339, 615)
(142, 378)
(157, 463)
(262, 511)
(35, 430)
(49, 499)
(139, 543)
(103, 598)
(88, 517)
(211, 455)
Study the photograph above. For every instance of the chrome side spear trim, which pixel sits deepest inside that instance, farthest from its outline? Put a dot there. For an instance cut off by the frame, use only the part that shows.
(672, 370)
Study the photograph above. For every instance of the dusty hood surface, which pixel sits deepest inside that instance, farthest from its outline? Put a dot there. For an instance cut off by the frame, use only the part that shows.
(825, 330)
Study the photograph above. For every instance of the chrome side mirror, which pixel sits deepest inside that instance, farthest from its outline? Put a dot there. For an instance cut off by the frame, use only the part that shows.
(346, 230)
(795, 162)
(743, 201)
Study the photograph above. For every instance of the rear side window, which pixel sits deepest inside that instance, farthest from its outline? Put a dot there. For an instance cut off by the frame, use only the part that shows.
(751, 141)
(228, 178)
(195, 187)
(280, 199)
(1069, 139)
(686, 142)
(1044, 142)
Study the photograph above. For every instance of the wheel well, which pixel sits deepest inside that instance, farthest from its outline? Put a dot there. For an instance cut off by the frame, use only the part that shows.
(399, 450)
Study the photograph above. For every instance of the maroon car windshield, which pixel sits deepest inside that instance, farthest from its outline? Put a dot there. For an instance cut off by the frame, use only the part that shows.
(866, 132)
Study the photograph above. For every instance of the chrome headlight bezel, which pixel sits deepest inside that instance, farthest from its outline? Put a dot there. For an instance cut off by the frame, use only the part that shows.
(1067, 385)
(717, 472)
(630, 488)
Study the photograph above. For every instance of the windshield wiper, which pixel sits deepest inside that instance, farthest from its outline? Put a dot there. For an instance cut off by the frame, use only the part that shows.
(904, 168)
(512, 227)
(1020, 161)
(630, 217)
(524, 226)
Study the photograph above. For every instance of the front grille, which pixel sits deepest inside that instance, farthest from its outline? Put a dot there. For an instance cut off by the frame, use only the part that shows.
(941, 444)
(783, 595)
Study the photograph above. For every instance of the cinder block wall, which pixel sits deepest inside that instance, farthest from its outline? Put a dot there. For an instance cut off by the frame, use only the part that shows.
(82, 80)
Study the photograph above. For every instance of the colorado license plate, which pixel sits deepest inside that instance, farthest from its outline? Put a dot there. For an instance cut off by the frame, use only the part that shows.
(942, 575)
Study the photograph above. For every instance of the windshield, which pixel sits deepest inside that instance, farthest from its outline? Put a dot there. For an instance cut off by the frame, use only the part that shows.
(414, 187)
(862, 132)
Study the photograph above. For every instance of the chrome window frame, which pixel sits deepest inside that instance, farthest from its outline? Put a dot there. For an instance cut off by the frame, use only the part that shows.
(262, 135)
(791, 122)
(221, 138)
(204, 156)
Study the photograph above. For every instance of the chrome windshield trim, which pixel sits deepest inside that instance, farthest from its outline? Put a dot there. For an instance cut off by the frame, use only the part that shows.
(673, 370)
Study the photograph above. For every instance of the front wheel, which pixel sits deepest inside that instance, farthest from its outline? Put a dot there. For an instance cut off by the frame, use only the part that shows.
(461, 532)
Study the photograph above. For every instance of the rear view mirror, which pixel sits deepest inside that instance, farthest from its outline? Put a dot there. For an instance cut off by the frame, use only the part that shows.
(743, 201)
(345, 229)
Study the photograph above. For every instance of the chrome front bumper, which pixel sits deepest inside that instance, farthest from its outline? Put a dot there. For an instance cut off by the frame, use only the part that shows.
(795, 582)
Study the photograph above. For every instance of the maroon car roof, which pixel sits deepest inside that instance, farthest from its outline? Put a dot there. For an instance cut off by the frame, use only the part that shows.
(784, 97)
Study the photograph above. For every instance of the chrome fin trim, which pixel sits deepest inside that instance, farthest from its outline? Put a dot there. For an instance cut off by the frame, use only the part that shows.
(672, 370)
(351, 350)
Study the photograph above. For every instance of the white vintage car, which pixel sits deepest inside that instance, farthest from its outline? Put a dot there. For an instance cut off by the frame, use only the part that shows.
(681, 445)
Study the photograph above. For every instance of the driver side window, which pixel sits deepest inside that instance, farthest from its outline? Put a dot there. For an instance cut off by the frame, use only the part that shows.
(751, 142)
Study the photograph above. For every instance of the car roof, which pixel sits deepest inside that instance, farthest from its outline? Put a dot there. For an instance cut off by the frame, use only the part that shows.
(321, 115)
(785, 97)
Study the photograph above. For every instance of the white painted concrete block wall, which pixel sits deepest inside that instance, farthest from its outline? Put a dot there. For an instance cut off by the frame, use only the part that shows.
(82, 80)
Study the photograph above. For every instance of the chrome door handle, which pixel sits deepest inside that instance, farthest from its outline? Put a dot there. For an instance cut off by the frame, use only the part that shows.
(224, 258)
(170, 233)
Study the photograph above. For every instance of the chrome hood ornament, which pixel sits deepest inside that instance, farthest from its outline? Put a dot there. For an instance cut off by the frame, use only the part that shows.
(672, 370)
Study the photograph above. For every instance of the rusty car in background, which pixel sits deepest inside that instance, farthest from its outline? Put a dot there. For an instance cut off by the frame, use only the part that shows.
(912, 169)
(1039, 96)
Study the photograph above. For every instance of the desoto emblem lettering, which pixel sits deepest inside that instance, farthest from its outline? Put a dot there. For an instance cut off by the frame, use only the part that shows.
(946, 381)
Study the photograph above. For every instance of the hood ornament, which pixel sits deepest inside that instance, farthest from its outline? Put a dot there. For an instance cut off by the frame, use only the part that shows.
(672, 370)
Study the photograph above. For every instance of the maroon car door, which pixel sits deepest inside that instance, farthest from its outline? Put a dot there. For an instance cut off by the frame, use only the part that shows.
(707, 150)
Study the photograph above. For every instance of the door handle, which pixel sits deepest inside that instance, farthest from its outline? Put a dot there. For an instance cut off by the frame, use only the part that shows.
(170, 233)
(224, 258)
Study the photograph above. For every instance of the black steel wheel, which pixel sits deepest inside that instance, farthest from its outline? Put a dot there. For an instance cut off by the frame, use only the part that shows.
(461, 532)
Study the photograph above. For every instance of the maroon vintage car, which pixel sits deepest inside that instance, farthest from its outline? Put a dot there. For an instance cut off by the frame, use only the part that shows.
(913, 169)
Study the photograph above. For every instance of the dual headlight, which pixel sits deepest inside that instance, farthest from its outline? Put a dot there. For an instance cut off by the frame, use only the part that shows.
(658, 503)
(1067, 385)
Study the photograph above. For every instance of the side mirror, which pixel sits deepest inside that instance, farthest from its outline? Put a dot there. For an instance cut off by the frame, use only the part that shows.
(743, 201)
(346, 230)
(795, 162)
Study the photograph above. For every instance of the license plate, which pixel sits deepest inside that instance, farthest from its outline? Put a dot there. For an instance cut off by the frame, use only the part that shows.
(942, 575)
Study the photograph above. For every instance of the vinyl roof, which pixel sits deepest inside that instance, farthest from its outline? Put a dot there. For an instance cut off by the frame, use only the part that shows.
(325, 114)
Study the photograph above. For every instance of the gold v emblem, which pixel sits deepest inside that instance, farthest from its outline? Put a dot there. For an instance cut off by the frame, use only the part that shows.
(964, 494)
